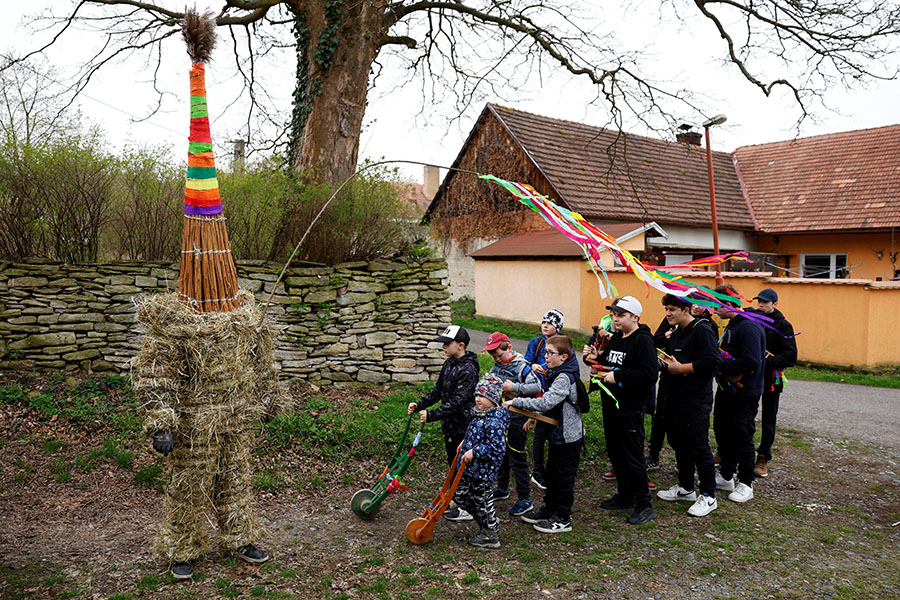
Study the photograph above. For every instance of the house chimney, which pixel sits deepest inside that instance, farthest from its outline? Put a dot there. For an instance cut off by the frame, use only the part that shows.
(432, 182)
(692, 138)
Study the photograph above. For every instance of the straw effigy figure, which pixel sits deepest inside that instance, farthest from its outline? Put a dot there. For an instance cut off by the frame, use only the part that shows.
(205, 369)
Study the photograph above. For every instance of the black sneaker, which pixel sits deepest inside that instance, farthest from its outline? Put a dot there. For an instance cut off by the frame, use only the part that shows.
(644, 515)
(538, 480)
(252, 554)
(609, 476)
(182, 570)
(485, 538)
(542, 514)
(652, 463)
(553, 525)
(457, 514)
(616, 502)
(500, 493)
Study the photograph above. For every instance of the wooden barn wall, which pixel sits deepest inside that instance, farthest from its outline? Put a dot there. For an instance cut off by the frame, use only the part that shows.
(472, 208)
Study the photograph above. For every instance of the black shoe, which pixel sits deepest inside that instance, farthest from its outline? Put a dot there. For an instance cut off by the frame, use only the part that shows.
(252, 554)
(615, 502)
(641, 516)
(182, 570)
(485, 538)
(554, 525)
(542, 514)
(652, 463)
(538, 480)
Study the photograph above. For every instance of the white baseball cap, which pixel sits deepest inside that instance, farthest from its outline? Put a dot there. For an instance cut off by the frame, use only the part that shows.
(627, 304)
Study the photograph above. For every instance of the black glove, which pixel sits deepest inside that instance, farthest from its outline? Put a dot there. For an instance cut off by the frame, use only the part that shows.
(267, 417)
(162, 442)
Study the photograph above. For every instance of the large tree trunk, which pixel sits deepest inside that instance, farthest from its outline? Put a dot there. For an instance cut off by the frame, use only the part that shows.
(336, 46)
(337, 68)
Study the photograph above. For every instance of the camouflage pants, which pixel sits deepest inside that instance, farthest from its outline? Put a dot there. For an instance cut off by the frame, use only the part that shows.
(213, 475)
(477, 497)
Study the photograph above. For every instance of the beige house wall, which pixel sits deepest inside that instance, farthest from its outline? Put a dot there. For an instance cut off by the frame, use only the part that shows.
(523, 290)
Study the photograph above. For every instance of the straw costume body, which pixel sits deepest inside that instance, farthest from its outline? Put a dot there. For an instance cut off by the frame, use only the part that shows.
(205, 369)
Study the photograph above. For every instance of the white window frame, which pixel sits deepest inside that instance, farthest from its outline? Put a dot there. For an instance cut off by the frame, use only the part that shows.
(832, 273)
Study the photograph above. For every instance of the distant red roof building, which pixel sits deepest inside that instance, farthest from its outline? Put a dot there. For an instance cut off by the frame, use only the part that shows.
(836, 182)
(414, 194)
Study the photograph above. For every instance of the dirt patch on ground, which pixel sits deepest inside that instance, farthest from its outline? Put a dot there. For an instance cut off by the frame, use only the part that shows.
(819, 527)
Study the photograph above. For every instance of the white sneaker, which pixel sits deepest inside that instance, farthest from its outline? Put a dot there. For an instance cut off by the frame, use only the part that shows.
(741, 493)
(723, 484)
(676, 492)
(703, 506)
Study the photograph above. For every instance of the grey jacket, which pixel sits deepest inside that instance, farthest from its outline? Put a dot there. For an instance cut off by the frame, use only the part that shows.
(561, 389)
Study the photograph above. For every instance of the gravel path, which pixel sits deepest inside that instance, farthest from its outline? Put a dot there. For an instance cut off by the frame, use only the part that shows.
(840, 410)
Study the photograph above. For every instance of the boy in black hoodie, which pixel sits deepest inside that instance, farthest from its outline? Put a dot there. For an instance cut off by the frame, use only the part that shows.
(631, 358)
(688, 379)
(455, 390)
(737, 400)
(782, 353)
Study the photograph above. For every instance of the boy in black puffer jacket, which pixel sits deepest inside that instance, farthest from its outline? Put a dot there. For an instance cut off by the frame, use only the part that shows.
(631, 357)
(455, 390)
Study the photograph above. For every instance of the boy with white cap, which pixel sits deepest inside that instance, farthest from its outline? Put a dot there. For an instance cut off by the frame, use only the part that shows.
(631, 357)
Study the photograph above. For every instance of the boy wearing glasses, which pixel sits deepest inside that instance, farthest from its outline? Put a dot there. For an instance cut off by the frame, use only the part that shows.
(559, 402)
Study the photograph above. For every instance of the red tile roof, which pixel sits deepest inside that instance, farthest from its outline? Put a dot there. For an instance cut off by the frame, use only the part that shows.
(841, 181)
(550, 243)
(413, 193)
(607, 174)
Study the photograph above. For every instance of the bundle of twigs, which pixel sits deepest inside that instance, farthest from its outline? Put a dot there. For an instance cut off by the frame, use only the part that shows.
(208, 279)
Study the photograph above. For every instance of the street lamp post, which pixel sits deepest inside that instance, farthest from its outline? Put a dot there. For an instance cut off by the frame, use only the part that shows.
(716, 120)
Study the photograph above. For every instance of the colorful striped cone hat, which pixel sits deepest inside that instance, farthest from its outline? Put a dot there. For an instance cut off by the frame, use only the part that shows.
(208, 279)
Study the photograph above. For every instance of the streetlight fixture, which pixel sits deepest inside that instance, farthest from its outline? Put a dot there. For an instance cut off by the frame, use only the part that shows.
(716, 120)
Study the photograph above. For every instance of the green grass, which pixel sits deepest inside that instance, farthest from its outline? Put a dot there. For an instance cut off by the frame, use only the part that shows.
(151, 475)
(90, 403)
(463, 314)
(62, 470)
(838, 376)
(342, 433)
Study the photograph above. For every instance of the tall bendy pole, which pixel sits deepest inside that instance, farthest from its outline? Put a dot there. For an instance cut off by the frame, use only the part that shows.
(716, 120)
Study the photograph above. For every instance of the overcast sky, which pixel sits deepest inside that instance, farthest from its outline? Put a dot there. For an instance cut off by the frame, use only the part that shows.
(391, 129)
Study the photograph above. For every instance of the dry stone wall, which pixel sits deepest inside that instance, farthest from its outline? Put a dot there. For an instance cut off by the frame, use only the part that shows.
(364, 321)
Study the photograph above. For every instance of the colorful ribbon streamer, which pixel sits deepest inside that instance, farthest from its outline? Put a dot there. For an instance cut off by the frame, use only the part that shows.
(593, 241)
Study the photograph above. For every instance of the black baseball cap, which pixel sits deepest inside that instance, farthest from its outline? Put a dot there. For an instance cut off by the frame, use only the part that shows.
(767, 295)
(454, 333)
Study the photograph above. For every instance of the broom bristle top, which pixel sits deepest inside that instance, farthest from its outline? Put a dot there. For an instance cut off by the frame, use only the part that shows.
(199, 33)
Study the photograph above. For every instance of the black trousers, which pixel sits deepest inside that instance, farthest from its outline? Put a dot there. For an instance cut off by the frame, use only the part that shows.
(451, 444)
(658, 425)
(770, 401)
(688, 430)
(541, 433)
(515, 458)
(734, 423)
(624, 430)
(562, 467)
